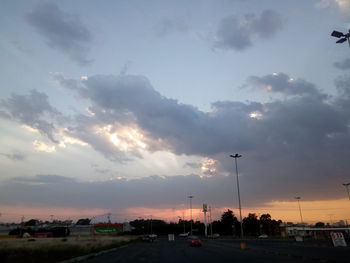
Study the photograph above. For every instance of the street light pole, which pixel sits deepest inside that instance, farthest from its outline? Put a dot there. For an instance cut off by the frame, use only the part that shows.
(301, 217)
(347, 189)
(239, 195)
(190, 197)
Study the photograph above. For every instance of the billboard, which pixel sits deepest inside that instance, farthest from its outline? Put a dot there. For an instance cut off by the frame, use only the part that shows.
(107, 229)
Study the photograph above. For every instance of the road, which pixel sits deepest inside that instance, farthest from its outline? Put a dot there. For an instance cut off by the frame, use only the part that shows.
(259, 251)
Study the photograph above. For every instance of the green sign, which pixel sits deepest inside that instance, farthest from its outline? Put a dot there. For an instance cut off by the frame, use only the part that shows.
(108, 229)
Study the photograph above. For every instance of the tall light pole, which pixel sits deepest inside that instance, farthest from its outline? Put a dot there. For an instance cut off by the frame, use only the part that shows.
(298, 199)
(347, 189)
(342, 37)
(190, 197)
(236, 156)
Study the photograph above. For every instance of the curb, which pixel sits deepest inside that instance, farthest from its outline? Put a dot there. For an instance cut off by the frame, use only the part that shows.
(92, 255)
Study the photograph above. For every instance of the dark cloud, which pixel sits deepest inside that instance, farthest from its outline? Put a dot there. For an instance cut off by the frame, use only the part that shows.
(169, 26)
(20, 46)
(281, 140)
(344, 65)
(14, 156)
(299, 144)
(284, 84)
(42, 179)
(162, 192)
(183, 129)
(239, 32)
(61, 30)
(33, 110)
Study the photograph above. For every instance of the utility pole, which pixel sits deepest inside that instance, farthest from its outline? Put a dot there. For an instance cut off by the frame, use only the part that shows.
(236, 156)
(347, 189)
(211, 222)
(301, 216)
(331, 218)
(190, 197)
(205, 209)
(183, 219)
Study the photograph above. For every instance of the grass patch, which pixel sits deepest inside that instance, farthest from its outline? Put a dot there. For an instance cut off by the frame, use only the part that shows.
(56, 249)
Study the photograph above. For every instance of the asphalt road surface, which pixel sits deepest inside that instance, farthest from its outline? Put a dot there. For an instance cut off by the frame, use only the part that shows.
(224, 251)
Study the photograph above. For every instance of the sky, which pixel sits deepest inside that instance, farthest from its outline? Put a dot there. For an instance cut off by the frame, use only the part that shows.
(129, 107)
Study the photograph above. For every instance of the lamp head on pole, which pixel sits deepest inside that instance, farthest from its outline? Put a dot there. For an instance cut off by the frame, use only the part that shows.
(236, 155)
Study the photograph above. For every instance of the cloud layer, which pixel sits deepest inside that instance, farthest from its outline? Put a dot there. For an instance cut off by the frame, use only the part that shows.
(344, 65)
(62, 31)
(33, 110)
(282, 141)
(239, 32)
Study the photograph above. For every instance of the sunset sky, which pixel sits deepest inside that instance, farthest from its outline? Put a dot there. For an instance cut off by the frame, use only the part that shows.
(129, 107)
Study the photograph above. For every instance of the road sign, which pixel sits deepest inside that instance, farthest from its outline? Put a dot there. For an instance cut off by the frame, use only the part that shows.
(338, 239)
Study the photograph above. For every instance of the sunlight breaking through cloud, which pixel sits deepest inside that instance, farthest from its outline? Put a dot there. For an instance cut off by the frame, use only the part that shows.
(43, 147)
(127, 139)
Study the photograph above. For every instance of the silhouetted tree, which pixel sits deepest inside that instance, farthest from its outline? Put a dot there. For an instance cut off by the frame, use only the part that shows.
(83, 221)
(229, 223)
(320, 224)
(31, 222)
(265, 224)
(251, 225)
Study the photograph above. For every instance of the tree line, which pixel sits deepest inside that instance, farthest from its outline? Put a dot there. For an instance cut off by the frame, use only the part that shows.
(227, 225)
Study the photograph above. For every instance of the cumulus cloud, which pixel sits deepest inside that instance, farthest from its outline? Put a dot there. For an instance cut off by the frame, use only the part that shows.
(166, 124)
(33, 110)
(169, 26)
(282, 141)
(20, 46)
(342, 5)
(43, 147)
(344, 65)
(284, 84)
(62, 31)
(16, 156)
(239, 32)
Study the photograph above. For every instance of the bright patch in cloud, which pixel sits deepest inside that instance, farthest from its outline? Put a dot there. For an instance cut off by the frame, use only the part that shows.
(70, 140)
(30, 129)
(208, 166)
(124, 138)
(256, 115)
(343, 5)
(43, 147)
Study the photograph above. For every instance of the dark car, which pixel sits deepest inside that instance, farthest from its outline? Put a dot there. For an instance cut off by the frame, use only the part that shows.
(149, 238)
(194, 241)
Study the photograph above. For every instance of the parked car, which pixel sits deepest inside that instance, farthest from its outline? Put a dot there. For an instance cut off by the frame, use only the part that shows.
(194, 241)
(263, 236)
(149, 238)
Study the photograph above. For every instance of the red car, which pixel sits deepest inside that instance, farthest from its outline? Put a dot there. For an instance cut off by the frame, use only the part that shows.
(194, 241)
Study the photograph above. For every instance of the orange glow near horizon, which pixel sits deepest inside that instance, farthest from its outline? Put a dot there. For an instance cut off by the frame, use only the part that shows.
(330, 211)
